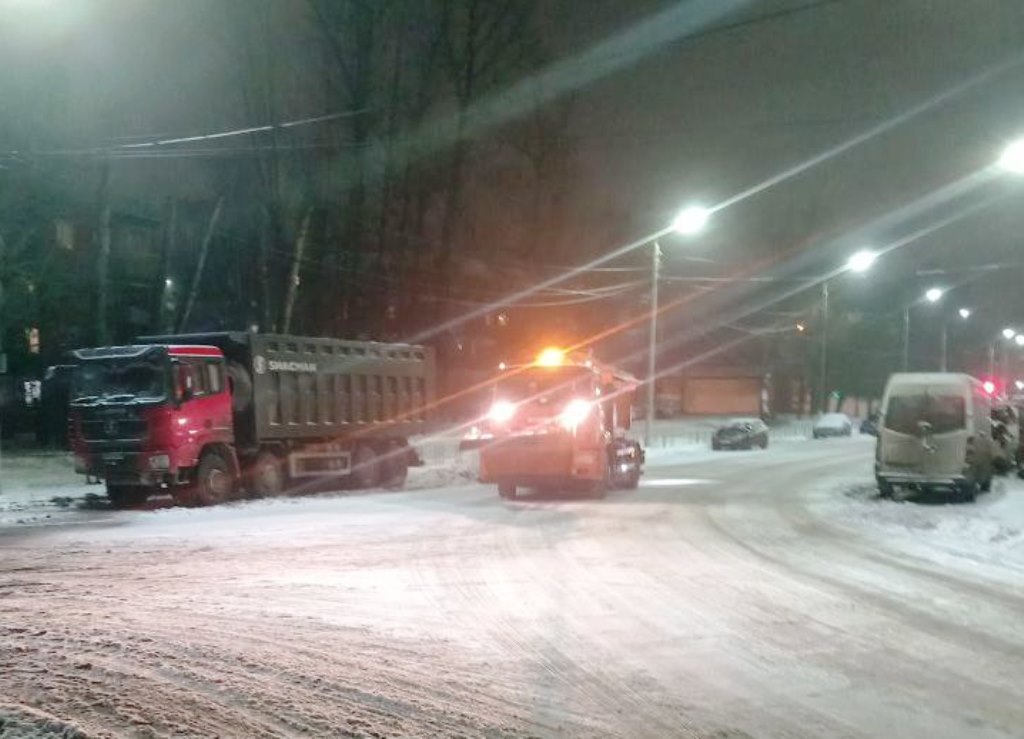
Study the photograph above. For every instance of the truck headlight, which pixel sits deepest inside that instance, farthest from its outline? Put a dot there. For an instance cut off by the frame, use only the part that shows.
(160, 462)
(575, 413)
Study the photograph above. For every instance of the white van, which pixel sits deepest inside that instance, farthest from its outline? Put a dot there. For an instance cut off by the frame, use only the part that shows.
(934, 433)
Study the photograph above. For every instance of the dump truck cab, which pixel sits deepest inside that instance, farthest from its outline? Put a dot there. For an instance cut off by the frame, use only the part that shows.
(143, 416)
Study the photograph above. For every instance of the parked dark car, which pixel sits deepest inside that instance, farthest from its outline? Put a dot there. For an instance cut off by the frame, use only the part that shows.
(869, 425)
(832, 424)
(741, 433)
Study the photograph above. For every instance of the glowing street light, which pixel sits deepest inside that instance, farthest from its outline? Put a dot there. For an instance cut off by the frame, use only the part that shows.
(858, 263)
(691, 220)
(933, 294)
(1019, 339)
(861, 261)
(965, 313)
(1012, 158)
(1009, 333)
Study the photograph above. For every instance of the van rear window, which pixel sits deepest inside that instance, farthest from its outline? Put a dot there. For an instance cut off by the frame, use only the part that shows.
(945, 413)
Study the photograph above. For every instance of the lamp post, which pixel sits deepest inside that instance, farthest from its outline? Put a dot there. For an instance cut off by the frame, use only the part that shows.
(931, 295)
(964, 314)
(858, 263)
(690, 222)
(1010, 335)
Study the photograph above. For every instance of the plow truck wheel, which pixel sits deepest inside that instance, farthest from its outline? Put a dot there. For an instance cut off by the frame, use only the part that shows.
(266, 476)
(507, 490)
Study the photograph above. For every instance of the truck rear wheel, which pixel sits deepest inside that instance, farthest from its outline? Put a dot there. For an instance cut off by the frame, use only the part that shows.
(366, 469)
(214, 482)
(507, 490)
(266, 476)
(395, 467)
(126, 496)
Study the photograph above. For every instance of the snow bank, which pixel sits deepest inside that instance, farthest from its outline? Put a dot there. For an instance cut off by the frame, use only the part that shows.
(989, 531)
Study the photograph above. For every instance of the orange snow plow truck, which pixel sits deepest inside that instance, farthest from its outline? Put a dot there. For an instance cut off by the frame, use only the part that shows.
(559, 423)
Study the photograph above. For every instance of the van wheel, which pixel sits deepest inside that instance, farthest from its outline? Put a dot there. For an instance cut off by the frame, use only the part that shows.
(986, 485)
(969, 491)
(214, 482)
(885, 490)
(366, 470)
(266, 476)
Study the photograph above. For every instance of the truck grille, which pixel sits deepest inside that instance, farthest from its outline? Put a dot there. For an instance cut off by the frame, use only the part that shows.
(124, 426)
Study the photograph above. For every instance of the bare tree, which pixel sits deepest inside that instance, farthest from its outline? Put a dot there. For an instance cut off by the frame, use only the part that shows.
(483, 42)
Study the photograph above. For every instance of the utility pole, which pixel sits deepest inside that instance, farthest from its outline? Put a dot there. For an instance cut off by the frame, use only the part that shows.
(945, 343)
(905, 361)
(652, 343)
(823, 370)
(103, 258)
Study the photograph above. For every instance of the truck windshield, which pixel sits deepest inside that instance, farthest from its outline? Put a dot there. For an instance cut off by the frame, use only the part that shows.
(133, 379)
(554, 387)
(945, 413)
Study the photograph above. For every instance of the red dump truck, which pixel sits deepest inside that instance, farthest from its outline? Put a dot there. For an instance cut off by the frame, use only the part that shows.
(213, 417)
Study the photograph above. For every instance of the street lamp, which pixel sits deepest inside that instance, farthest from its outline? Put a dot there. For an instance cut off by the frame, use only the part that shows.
(931, 295)
(690, 222)
(859, 262)
(1009, 333)
(1012, 158)
(964, 314)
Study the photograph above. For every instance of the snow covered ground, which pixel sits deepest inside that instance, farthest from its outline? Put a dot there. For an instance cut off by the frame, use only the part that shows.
(739, 594)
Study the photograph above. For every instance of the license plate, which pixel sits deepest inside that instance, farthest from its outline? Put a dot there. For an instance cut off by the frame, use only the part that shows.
(113, 457)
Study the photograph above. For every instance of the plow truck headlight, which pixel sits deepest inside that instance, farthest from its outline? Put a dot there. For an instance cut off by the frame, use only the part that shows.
(502, 411)
(575, 413)
(159, 462)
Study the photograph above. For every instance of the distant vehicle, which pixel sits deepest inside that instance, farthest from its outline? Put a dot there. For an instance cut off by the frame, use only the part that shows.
(741, 433)
(935, 434)
(832, 424)
(869, 425)
(212, 417)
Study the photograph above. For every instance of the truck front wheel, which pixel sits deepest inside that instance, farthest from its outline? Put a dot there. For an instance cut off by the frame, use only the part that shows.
(214, 481)
(507, 490)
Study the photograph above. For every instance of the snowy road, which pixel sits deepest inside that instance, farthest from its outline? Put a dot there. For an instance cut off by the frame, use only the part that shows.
(745, 594)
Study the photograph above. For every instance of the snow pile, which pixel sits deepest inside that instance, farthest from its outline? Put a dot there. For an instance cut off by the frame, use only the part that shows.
(990, 530)
(19, 722)
(35, 488)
